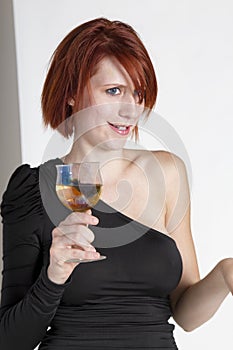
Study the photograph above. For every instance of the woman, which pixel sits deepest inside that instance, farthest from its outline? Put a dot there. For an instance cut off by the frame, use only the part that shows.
(99, 83)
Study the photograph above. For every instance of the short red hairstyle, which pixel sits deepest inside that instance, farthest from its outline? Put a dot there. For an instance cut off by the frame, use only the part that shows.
(75, 60)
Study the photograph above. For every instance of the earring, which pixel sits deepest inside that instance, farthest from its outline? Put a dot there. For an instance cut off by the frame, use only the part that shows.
(71, 102)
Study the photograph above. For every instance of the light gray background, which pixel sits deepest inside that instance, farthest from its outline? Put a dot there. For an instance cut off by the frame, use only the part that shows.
(190, 43)
(10, 145)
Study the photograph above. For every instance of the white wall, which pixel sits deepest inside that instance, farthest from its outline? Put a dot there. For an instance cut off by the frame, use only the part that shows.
(190, 43)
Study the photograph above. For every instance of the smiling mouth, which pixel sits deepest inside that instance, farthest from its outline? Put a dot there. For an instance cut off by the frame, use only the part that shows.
(121, 129)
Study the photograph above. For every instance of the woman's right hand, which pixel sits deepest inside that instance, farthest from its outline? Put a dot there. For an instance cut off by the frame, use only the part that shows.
(71, 239)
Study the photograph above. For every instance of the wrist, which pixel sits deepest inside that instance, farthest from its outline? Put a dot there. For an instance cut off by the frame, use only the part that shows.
(53, 277)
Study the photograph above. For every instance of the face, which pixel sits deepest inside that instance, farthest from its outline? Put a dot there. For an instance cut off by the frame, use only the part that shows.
(111, 109)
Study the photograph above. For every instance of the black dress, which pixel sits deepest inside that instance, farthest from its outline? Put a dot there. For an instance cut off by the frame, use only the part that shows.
(118, 303)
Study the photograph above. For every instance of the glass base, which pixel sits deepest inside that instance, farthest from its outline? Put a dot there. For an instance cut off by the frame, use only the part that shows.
(102, 257)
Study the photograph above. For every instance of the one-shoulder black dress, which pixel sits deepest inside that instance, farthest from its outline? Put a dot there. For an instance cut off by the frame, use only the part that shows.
(118, 303)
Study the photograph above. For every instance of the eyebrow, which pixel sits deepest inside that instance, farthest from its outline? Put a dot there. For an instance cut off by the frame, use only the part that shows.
(115, 84)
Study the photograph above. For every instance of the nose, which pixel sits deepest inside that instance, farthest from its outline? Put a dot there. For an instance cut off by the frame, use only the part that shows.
(126, 109)
(127, 106)
(130, 111)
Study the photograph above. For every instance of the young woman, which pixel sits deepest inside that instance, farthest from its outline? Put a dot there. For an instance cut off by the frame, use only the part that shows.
(100, 81)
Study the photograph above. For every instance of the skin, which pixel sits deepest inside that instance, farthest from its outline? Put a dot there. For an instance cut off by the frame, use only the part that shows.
(162, 201)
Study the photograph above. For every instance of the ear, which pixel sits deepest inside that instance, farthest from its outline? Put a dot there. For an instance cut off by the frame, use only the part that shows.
(71, 102)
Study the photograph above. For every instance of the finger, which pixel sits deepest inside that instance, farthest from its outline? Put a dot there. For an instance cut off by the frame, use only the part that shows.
(82, 254)
(75, 233)
(78, 228)
(80, 218)
(72, 240)
(62, 255)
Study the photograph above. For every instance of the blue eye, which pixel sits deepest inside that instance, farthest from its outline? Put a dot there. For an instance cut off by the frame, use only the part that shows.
(138, 95)
(113, 91)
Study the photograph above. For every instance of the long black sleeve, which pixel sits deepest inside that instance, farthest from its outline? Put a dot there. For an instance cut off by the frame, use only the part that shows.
(29, 299)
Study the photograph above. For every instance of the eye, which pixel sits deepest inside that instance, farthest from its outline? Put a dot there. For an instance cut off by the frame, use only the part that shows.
(138, 95)
(113, 91)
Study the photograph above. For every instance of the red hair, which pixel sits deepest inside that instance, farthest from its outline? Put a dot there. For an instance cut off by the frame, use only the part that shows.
(75, 61)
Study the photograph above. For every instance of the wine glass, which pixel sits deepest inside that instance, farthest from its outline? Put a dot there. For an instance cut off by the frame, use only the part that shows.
(78, 187)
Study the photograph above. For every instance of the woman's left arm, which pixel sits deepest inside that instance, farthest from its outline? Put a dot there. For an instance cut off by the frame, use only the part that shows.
(199, 302)
(195, 300)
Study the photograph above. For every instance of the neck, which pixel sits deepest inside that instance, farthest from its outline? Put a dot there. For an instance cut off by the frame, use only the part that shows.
(113, 163)
(83, 153)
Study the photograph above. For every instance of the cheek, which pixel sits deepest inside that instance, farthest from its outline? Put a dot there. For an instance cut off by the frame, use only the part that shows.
(90, 120)
(140, 110)
(87, 100)
(141, 107)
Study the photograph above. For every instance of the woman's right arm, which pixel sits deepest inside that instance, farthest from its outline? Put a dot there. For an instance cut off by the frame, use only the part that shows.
(29, 297)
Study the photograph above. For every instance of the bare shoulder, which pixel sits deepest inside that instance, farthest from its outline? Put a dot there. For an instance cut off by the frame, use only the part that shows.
(168, 159)
(177, 189)
(171, 164)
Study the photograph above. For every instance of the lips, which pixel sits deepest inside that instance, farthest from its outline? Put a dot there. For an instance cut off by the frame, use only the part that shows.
(120, 129)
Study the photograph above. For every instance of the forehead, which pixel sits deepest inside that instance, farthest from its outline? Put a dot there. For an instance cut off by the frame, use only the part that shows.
(108, 71)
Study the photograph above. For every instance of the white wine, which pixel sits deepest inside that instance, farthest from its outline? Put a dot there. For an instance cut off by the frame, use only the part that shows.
(79, 196)
(78, 187)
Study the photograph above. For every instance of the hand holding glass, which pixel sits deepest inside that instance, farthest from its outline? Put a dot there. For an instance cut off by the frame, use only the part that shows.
(78, 187)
